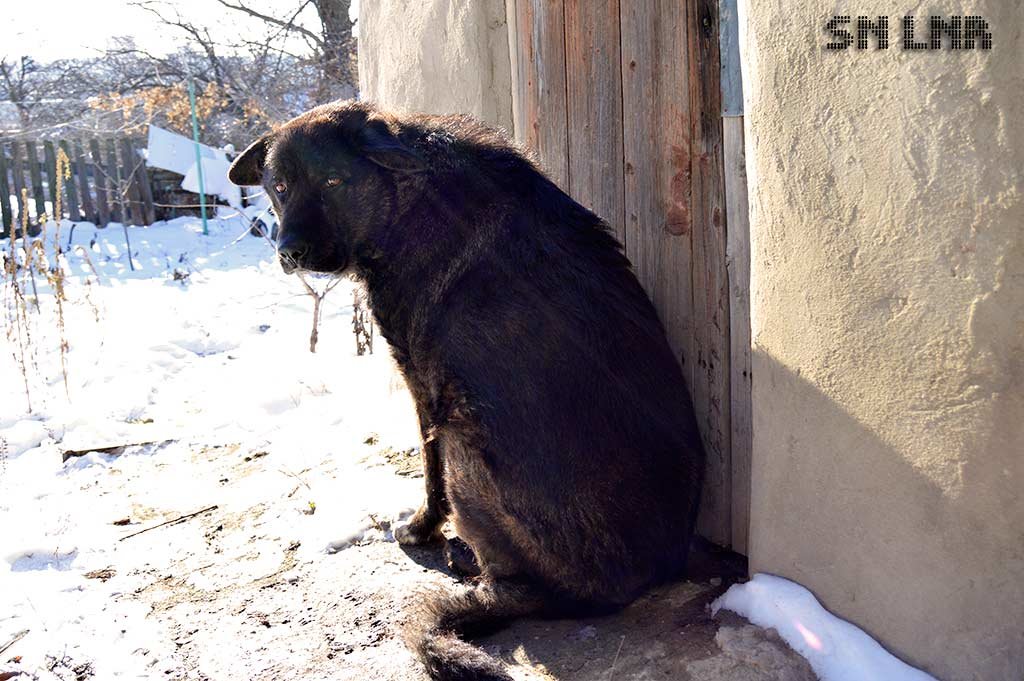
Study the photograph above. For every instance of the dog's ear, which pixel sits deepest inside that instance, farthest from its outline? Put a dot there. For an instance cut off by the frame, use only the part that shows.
(247, 170)
(380, 145)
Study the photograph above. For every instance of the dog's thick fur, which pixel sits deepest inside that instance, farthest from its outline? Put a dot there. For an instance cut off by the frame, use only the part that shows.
(559, 437)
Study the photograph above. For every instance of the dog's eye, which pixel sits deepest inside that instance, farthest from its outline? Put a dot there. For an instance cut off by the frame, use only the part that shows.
(280, 187)
(332, 182)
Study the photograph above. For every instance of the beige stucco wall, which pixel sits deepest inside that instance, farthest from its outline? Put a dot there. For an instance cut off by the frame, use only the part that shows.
(437, 56)
(888, 328)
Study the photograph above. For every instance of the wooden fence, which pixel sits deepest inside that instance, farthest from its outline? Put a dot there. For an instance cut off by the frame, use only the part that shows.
(621, 101)
(106, 182)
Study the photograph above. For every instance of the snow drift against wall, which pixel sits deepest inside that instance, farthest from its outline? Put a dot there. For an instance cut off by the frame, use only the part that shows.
(836, 649)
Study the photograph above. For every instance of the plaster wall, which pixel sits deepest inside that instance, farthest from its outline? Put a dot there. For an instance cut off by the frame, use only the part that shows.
(437, 56)
(887, 285)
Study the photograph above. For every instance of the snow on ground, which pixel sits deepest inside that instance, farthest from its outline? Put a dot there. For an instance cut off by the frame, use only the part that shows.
(200, 352)
(836, 649)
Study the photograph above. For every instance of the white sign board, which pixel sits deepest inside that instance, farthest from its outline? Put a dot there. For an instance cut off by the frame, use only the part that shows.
(177, 153)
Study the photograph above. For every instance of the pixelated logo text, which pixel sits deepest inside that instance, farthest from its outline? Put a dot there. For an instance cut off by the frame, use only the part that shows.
(952, 33)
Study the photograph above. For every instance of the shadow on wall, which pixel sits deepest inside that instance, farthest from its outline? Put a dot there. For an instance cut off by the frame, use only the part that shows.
(936, 577)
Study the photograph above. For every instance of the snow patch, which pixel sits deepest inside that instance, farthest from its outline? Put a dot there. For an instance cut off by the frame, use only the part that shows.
(87, 460)
(174, 152)
(21, 436)
(836, 649)
(42, 559)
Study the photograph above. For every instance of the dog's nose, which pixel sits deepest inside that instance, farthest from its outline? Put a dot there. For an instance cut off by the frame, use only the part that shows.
(292, 252)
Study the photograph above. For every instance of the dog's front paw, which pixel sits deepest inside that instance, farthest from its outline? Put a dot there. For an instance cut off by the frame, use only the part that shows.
(421, 529)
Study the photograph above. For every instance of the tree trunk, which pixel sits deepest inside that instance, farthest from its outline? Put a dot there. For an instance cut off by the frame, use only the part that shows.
(339, 54)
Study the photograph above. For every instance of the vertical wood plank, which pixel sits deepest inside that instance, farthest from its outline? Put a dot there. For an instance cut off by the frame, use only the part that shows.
(512, 26)
(594, 99)
(36, 176)
(117, 190)
(101, 183)
(131, 162)
(18, 176)
(145, 188)
(539, 109)
(656, 151)
(50, 159)
(72, 207)
(80, 170)
(740, 381)
(710, 279)
(729, 51)
(6, 215)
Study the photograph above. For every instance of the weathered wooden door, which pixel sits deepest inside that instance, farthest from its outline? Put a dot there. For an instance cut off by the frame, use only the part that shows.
(620, 100)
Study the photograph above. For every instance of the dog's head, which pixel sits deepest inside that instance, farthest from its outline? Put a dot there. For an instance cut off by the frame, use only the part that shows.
(332, 176)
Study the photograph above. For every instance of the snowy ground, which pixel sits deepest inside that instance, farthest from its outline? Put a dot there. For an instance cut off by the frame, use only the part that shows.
(226, 506)
(210, 383)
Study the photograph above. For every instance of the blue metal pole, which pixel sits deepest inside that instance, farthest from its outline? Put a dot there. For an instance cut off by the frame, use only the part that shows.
(199, 155)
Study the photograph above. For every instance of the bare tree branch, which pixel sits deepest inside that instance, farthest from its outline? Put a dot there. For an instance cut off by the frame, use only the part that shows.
(288, 24)
(199, 36)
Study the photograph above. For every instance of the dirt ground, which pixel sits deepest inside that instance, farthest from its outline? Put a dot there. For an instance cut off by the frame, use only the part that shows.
(233, 604)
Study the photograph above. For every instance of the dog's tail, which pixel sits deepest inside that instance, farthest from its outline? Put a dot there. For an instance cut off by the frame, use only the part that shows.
(445, 616)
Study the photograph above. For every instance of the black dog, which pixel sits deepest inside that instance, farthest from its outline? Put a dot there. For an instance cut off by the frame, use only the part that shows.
(558, 434)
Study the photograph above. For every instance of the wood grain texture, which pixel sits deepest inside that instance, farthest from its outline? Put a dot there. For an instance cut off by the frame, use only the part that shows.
(71, 191)
(130, 169)
(729, 50)
(18, 180)
(101, 184)
(81, 171)
(594, 99)
(145, 186)
(6, 214)
(710, 279)
(117, 195)
(36, 175)
(656, 156)
(539, 107)
(50, 161)
(512, 26)
(740, 380)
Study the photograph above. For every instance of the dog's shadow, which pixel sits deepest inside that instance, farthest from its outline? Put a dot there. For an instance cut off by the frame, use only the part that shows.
(430, 556)
(658, 636)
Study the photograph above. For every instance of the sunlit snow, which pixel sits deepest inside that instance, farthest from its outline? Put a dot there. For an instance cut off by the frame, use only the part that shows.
(202, 351)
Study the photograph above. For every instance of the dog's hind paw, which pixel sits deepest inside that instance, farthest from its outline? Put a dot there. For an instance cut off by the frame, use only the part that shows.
(460, 558)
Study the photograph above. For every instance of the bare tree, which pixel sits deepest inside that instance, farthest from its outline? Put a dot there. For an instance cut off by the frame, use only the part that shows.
(54, 89)
(17, 77)
(245, 82)
(333, 45)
